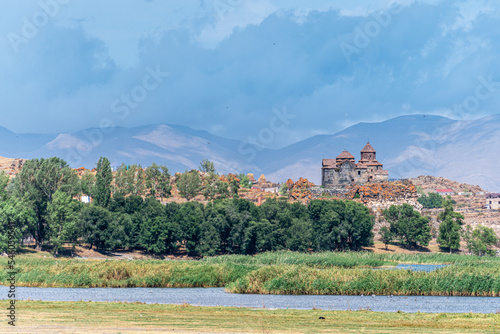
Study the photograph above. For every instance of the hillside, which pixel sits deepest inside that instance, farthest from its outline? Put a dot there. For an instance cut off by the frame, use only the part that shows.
(408, 146)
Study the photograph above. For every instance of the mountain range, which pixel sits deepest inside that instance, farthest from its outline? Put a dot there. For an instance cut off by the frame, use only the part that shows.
(408, 146)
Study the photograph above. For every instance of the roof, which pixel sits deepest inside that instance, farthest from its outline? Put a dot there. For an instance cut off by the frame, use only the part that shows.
(444, 190)
(368, 149)
(345, 155)
(493, 195)
(329, 163)
(373, 163)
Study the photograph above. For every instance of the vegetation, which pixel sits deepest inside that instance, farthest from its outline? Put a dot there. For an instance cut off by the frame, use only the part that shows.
(273, 272)
(434, 200)
(408, 225)
(188, 184)
(457, 280)
(480, 240)
(34, 187)
(386, 235)
(87, 317)
(449, 229)
(102, 188)
(40, 201)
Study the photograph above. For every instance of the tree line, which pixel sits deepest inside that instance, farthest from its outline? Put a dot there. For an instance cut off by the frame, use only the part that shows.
(126, 214)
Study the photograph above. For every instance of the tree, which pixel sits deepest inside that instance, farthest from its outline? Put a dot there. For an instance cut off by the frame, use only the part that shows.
(62, 216)
(87, 183)
(158, 181)
(234, 184)
(434, 200)
(93, 226)
(102, 188)
(244, 181)
(189, 184)
(450, 227)
(36, 184)
(207, 166)
(209, 186)
(480, 240)
(386, 235)
(137, 180)
(340, 225)
(122, 181)
(408, 225)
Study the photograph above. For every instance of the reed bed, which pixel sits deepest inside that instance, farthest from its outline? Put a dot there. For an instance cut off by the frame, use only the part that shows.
(38, 272)
(347, 259)
(454, 280)
(333, 273)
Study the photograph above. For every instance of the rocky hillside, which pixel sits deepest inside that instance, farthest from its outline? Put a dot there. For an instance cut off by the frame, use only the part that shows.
(11, 166)
(429, 184)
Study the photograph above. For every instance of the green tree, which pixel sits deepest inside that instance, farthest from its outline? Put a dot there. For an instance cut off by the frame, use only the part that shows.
(340, 225)
(62, 216)
(386, 235)
(87, 183)
(234, 185)
(244, 181)
(104, 178)
(480, 240)
(207, 166)
(122, 181)
(434, 200)
(450, 227)
(93, 226)
(36, 184)
(158, 181)
(189, 184)
(408, 225)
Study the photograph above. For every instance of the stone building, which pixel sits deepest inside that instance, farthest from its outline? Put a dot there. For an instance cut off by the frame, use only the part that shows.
(493, 201)
(344, 170)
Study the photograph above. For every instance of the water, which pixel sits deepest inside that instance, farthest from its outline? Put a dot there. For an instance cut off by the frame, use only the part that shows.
(218, 297)
(419, 267)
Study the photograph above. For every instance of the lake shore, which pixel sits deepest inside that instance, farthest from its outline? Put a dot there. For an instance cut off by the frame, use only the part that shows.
(92, 317)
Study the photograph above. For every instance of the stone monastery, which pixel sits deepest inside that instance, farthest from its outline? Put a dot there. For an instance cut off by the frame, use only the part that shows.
(344, 170)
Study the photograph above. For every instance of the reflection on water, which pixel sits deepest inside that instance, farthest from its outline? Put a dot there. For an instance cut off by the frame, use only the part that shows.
(218, 297)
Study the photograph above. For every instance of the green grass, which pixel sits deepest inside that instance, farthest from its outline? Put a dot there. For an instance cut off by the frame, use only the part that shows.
(454, 280)
(91, 317)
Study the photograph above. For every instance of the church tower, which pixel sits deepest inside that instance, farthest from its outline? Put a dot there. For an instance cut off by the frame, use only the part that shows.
(368, 153)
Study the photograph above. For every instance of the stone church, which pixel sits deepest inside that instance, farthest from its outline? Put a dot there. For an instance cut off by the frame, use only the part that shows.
(344, 170)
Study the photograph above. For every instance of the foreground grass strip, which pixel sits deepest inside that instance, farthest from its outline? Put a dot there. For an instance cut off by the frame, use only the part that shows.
(90, 317)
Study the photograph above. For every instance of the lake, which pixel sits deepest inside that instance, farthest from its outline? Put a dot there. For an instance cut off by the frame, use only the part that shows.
(218, 297)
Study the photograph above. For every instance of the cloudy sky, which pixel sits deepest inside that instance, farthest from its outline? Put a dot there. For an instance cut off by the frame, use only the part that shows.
(237, 67)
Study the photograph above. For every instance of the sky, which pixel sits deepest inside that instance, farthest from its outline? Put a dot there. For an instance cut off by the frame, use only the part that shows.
(278, 70)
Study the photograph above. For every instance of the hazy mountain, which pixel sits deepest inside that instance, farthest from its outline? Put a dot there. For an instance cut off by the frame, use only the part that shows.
(408, 146)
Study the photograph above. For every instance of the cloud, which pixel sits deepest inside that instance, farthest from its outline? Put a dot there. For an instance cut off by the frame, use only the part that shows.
(230, 68)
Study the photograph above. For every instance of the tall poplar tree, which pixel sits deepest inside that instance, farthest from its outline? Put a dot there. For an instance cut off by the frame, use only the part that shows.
(102, 188)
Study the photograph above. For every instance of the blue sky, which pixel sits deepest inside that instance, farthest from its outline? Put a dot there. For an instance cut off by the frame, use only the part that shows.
(230, 66)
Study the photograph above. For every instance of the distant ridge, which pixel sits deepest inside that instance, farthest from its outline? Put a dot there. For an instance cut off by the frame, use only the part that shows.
(408, 146)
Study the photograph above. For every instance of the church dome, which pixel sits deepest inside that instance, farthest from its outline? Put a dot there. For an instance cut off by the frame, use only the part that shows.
(345, 155)
(368, 149)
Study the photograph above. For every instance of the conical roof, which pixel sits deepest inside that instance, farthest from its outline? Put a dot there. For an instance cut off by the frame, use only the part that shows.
(345, 155)
(368, 149)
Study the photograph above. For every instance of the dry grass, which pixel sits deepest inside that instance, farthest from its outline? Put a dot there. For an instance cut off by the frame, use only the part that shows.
(90, 317)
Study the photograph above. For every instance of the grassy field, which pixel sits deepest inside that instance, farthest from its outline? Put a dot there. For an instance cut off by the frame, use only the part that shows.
(91, 317)
(277, 273)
